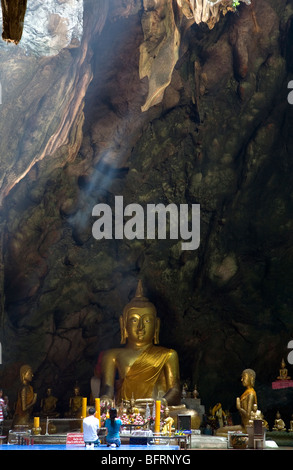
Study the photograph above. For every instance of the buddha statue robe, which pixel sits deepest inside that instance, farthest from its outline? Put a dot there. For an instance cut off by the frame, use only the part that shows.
(144, 374)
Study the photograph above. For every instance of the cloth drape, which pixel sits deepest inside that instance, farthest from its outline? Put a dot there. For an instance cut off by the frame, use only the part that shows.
(145, 371)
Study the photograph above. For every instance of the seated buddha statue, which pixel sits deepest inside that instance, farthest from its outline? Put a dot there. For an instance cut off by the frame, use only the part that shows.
(279, 424)
(48, 405)
(26, 398)
(283, 372)
(255, 414)
(144, 369)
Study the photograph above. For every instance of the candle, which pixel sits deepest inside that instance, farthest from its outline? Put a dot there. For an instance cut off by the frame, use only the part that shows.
(158, 416)
(98, 409)
(83, 412)
(36, 422)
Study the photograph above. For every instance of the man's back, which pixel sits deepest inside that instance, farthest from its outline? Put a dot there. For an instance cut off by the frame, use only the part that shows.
(91, 425)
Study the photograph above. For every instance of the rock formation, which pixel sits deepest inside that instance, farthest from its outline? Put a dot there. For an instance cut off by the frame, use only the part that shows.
(13, 14)
(215, 130)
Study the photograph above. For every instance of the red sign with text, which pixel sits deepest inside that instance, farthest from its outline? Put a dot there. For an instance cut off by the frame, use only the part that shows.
(75, 439)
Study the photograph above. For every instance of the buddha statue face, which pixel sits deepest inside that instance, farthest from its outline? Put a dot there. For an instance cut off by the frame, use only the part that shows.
(139, 323)
(140, 326)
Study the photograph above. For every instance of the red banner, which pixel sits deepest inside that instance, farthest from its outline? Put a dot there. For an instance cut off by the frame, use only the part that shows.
(75, 438)
(278, 384)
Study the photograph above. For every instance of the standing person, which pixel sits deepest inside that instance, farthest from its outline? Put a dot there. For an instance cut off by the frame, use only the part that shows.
(91, 424)
(113, 425)
(2, 405)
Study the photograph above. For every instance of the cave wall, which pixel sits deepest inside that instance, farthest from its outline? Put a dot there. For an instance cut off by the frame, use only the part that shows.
(220, 137)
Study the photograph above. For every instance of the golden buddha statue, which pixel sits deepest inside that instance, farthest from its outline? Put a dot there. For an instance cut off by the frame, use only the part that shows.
(168, 422)
(255, 414)
(75, 404)
(26, 398)
(145, 369)
(245, 404)
(279, 424)
(48, 405)
(283, 372)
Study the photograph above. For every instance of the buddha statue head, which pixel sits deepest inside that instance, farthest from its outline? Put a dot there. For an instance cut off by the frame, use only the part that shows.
(26, 374)
(248, 378)
(139, 323)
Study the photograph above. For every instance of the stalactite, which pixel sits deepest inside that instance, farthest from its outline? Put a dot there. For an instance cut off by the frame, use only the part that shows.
(13, 12)
(162, 21)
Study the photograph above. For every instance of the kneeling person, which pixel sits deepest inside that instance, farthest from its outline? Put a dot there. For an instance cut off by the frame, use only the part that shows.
(113, 425)
(91, 424)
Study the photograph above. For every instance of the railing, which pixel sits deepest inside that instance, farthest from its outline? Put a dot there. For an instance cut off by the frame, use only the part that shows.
(59, 419)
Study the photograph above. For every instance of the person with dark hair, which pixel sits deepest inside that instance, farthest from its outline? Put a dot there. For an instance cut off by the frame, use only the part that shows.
(113, 425)
(91, 425)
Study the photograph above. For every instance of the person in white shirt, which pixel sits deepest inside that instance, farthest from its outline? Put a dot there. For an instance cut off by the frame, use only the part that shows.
(91, 424)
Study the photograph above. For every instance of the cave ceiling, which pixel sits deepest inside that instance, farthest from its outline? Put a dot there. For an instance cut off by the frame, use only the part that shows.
(157, 101)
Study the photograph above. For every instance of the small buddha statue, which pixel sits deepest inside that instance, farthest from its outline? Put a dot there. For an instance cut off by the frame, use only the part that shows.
(48, 405)
(168, 422)
(279, 424)
(133, 410)
(145, 369)
(195, 392)
(75, 404)
(26, 398)
(184, 390)
(255, 414)
(283, 372)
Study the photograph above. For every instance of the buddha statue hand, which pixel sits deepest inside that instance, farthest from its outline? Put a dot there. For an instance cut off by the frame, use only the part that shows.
(164, 402)
(107, 401)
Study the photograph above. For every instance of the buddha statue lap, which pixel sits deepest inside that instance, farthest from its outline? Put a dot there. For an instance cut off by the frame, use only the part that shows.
(146, 371)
